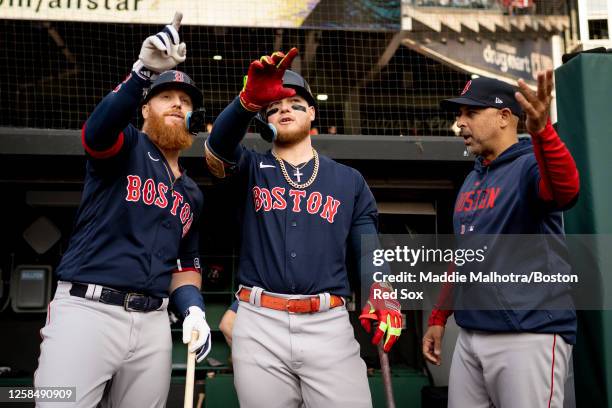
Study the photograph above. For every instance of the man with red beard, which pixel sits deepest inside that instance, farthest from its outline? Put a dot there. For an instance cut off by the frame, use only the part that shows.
(292, 342)
(134, 246)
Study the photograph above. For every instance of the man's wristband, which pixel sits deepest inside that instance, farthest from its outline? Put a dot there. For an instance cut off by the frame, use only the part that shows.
(186, 296)
(143, 72)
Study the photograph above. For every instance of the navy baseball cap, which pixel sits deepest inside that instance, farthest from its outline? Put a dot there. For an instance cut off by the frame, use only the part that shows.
(485, 93)
(175, 80)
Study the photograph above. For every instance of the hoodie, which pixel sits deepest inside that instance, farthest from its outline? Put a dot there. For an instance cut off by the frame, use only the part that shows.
(497, 200)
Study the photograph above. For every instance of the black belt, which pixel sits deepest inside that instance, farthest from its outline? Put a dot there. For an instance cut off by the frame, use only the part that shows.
(132, 302)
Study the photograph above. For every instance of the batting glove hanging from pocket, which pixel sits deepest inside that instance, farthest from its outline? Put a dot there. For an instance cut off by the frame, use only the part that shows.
(162, 51)
(387, 312)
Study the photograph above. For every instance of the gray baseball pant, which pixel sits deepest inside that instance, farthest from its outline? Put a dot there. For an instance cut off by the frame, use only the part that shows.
(508, 370)
(284, 359)
(94, 346)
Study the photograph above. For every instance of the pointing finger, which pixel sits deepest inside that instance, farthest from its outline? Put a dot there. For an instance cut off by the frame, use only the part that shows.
(288, 59)
(176, 21)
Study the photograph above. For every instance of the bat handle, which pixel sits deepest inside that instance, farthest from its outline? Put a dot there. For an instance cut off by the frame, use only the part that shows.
(190, 374)
(386, 375)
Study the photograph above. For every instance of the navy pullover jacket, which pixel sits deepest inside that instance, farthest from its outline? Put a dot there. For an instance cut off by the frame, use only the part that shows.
(497, 200)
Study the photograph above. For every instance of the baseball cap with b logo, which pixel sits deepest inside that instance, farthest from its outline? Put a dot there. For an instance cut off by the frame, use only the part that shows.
(175, 80)
(485, 93)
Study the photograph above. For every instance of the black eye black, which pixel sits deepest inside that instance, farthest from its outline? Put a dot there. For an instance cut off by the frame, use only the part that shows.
(272, 111)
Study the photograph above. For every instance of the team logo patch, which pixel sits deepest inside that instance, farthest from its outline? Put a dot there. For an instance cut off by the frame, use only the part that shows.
(178, 76)
(466, 87)
(118, 87)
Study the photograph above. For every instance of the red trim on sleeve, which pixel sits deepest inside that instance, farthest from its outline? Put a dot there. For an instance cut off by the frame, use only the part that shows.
(104, 154)
(438, 317)
(186, 270)
(559, 179)
(443, 308)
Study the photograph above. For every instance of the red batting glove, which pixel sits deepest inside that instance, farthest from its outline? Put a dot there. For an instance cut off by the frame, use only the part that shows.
(264, 81)
(386, 312)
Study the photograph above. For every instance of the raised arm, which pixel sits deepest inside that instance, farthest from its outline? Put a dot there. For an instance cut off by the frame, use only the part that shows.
(103, 133)
(262, 85)
(559, 182)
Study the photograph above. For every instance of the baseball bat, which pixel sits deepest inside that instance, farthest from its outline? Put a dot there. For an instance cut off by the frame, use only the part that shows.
(200, 400)
(189, 376)
(386, 375)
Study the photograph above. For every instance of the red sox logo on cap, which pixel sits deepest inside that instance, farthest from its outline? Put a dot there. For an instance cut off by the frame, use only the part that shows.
(467, 86)
(178, 76)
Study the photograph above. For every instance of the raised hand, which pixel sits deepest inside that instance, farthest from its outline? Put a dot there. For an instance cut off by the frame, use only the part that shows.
(264, 81)
(163, 51)
(536, 104)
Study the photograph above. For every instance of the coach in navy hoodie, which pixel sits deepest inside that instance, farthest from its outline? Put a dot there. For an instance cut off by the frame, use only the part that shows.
(516, 351)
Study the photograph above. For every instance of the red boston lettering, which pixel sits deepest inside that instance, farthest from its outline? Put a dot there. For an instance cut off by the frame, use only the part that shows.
(178, 199)
(185, 212)
(330, 209)
(314, 202)
(279, 201)
(493, 193)
(162, 201)
(266, 197)
(297, 196)
(275, 199)
(148, 192)
(133, 188)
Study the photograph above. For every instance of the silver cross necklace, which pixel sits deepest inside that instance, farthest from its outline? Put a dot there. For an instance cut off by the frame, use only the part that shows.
(297, 170)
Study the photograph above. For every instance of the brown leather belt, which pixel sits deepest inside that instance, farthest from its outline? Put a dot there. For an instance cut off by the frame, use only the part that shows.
(305, 305)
